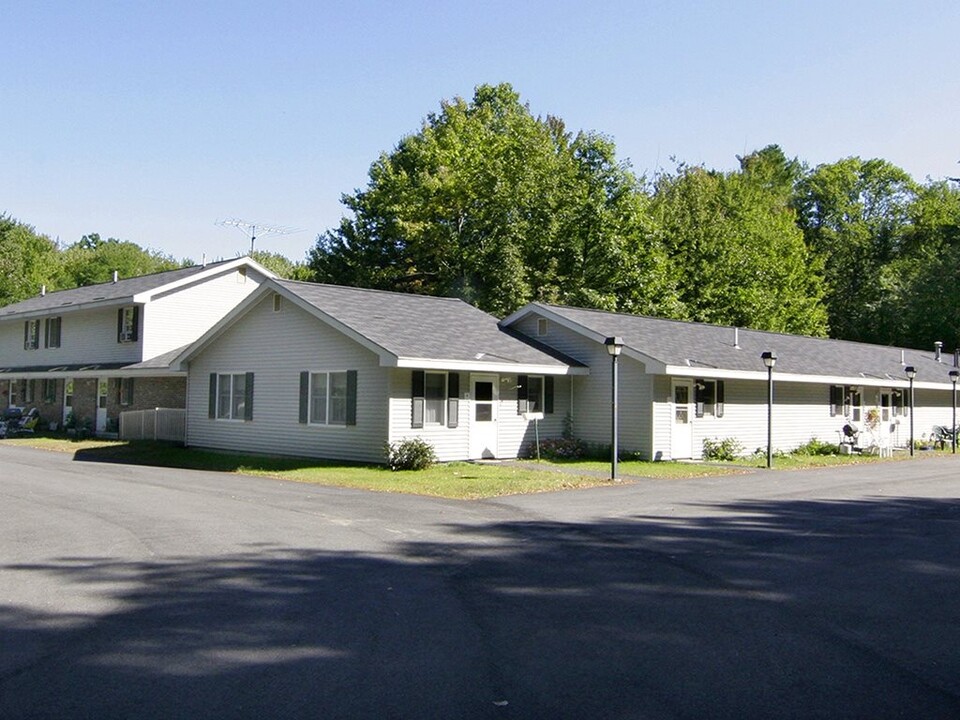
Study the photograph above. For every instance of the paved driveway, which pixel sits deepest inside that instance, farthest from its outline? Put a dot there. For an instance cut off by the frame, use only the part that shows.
(142, 592)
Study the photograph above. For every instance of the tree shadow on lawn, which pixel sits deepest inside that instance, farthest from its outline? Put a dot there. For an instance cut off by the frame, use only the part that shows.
(753, 609)
(174, 455)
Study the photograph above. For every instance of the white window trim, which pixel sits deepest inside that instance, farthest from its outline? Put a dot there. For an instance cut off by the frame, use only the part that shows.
(543, 392)
(232, 375)
(446, 392)
(126, 335)
(327, 423)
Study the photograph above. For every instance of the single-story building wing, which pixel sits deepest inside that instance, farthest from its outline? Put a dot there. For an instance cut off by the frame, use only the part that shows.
(338, 372)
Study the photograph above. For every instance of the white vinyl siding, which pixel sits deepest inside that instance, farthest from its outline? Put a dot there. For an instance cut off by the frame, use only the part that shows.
(86, 337)
(181, 316)
(277, 347)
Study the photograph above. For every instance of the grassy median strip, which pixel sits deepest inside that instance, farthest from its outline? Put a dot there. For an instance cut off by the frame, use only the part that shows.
(459, 480)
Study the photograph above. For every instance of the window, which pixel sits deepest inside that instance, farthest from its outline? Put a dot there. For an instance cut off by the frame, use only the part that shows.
(534, 394)
(231, 396)
(125, 391)
(68, 393)
(29, 391)
(836, 400)
(435, 398)
(128, 321)
(51, 333)
(328, 398)
(708, 396)
(852, 408)
(542, 327)
(31, 334)
(49, 391)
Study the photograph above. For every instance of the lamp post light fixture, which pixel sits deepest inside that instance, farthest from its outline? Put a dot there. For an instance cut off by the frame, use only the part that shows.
(769, 358)
(911, 372)
(614, 347)
(954, 375)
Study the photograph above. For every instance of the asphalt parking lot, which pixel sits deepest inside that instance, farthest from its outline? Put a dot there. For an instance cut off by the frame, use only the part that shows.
(151, 593)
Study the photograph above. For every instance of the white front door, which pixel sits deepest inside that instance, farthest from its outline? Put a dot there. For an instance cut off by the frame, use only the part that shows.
(681, 437)
(67, 399)
(102, 385)
(484, 394)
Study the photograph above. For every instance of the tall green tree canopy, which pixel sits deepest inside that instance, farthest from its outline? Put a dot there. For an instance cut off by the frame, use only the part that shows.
(736, 252)
(26, 260)
(92, 260)
(491, 204)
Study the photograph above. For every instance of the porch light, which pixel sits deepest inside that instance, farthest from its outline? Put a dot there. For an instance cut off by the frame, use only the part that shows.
(911, 372)
(954, 376)
(769, 358)
(614, 347)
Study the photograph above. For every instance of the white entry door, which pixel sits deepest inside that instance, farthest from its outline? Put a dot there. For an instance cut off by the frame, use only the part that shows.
(484, 394)
(67, 399)
(102, 385)
(681, 437)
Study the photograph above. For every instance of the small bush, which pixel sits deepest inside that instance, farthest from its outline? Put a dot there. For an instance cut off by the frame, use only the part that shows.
(726, 449)
(817, 447)
(562, 449)
(410, 454)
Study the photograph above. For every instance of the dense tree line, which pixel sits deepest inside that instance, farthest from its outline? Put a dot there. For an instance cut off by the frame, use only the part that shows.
(29, 261)
(494, 205)
(491, 204)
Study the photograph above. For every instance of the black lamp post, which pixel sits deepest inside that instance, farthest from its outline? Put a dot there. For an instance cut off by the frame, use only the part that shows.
(954, 375)
(911, 372)
(769, 359)
(614, 347)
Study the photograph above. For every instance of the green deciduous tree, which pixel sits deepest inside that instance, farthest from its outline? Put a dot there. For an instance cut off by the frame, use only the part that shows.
(27, 260)
(855, 218)
(736, 254)
(491, 204)
(92, 260)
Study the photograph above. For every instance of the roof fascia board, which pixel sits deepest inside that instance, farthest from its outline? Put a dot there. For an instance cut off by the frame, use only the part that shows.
(702, 372)
(204, 274)
(114, 373)
(478, 366)
(71, 308)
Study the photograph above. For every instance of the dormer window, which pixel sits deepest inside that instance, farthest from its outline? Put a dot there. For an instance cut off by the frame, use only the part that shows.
(128, 321)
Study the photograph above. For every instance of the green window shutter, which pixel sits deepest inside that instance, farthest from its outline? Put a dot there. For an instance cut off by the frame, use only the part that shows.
(719, 405)
(26, 334)
(521, 394)
(119, 324)
(548, 394)
(248, 398)
(453, 399)
(418, 385)
(304, 397)
(212, 408)
(351, 397)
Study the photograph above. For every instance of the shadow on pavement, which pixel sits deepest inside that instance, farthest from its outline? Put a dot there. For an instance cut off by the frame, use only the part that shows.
(767, 609)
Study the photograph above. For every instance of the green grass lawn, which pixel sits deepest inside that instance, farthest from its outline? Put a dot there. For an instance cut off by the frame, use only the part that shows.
(459, 480)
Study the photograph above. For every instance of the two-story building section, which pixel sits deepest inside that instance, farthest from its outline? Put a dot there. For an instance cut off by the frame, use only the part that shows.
(91, 352)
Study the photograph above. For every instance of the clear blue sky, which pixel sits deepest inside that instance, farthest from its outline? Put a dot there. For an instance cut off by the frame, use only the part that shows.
(149, 121)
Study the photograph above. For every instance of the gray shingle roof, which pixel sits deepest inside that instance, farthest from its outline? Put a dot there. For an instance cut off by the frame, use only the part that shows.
(675, 342)
(103, 292)
(422, 326)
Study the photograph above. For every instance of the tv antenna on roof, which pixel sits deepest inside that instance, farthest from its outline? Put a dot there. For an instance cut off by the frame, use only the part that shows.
(257, 229)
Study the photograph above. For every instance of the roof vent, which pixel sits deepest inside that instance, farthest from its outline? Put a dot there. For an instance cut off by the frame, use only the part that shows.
(956, 357)
(736, 338)
(43, 290)
(938, 347)
(116, 275)
(902, 358)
